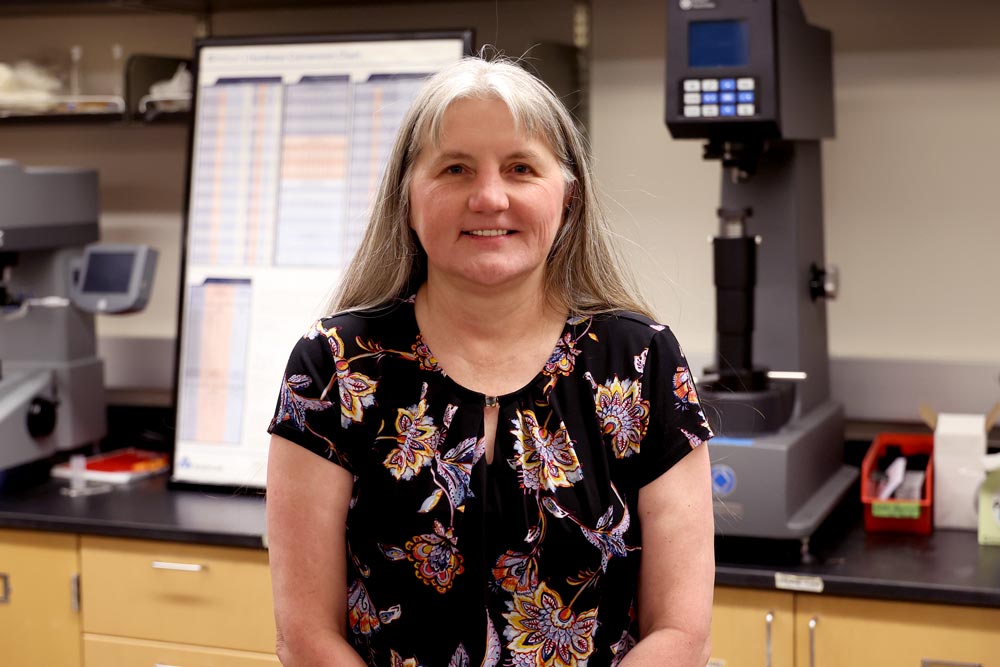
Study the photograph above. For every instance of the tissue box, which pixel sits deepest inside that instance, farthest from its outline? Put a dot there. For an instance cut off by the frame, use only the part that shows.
(959, 447)
(989, 502)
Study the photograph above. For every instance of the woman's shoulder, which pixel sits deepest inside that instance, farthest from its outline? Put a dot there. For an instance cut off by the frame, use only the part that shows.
(629, 335)
(362, 321)
(351, 332)
(627, 325)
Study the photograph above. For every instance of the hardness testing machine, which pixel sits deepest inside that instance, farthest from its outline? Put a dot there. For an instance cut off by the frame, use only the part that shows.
(754, 80)
(53, 278)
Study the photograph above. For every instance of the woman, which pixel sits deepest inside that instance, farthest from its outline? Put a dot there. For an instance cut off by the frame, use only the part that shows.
(486, 503)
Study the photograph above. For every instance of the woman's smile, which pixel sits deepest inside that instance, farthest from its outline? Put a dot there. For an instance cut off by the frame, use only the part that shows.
(489, 233)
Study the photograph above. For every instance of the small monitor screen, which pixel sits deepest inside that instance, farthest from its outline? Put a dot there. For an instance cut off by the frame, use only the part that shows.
(108, 272)
(718, 43)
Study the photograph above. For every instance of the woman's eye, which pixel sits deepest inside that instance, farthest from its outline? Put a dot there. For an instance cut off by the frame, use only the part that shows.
(521, 169)
(454, 169)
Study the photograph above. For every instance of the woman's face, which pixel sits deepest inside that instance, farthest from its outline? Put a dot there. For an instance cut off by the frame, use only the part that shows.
(487, 201)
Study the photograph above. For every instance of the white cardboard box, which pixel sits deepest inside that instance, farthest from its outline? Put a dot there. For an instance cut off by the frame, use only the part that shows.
(959, 448)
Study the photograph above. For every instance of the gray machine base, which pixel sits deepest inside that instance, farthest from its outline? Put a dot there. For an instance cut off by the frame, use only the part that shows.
(78, 388)
(781, 485)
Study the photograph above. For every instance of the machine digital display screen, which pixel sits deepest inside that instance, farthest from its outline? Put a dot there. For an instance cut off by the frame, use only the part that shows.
(108, 272)
(718, 43)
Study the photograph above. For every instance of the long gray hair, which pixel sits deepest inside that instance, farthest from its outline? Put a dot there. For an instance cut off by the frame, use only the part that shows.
(584, 274)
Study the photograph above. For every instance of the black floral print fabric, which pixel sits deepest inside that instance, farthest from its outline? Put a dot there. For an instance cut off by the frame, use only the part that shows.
(529, 560)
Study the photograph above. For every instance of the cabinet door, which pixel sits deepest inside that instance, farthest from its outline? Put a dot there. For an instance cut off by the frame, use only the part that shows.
(101, 651)
(39, 617)
(752, 628)
(848, 632)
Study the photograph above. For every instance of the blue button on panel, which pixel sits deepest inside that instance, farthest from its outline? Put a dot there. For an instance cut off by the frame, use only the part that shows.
(727, 84)
(745, 97)
(727, 110)
(723, 480)
(709, 98)
(727, 98)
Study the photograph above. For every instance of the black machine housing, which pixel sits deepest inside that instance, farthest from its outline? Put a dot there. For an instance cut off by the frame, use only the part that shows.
(788, 60)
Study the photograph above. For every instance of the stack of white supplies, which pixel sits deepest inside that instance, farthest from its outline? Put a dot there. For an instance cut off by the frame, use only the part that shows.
(959, 447)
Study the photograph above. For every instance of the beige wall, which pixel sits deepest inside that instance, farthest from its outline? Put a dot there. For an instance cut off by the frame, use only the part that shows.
(912, 218)
(911, 213)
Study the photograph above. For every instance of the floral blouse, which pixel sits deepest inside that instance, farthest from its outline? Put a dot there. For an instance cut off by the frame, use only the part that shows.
(529, 560)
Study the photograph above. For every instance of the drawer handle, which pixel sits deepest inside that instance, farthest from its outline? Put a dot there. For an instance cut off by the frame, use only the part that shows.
(768, 621)
(74, 592)
(813, 622)
(4, 588)
(178, 567)
(160, 664)
(948, 663)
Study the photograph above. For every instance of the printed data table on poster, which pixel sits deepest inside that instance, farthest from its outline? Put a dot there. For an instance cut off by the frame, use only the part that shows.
(290, 140)
(214, 375)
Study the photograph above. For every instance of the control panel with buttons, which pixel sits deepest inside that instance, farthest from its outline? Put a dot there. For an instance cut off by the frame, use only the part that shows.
(719, 98)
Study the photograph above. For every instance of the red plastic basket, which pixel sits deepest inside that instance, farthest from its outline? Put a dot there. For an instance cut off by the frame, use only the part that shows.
(898, 516)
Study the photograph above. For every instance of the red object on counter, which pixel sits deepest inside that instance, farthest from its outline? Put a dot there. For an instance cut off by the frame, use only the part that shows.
(892, 515)
(118, 467)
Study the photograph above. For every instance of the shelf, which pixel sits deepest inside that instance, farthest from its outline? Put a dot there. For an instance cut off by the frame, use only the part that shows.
(60, 118)
(164, 118)
(63, 7)
(138, 106)
(251, 5)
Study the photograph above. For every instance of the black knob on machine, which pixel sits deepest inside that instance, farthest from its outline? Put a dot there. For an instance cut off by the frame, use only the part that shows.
(41, 417)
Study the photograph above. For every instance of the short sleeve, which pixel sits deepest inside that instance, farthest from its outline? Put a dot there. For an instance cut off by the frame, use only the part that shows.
(677, 421)
(308, 407)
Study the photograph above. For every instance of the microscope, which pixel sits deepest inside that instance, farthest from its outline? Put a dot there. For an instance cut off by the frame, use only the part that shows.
(755, 81)
(53, 278)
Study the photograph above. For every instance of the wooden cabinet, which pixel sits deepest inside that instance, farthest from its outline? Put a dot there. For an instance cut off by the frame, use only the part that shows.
(164, 603)
(39, 609)
(781, 629)
(148, 602)
(97, 602)
(850, 631)
(752, 628)
(107, 651)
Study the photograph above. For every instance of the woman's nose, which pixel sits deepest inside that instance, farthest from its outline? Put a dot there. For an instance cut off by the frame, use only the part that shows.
(489, 194)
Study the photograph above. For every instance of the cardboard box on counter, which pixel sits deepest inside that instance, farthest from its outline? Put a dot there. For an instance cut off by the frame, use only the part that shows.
(959, 448)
